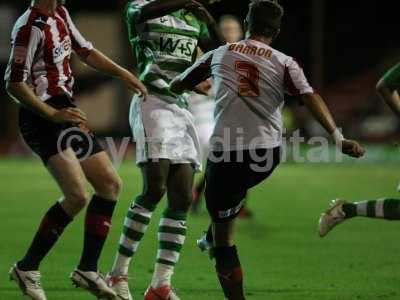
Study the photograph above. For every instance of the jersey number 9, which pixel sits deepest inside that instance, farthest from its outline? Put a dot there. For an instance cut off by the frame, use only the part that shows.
(249, 77)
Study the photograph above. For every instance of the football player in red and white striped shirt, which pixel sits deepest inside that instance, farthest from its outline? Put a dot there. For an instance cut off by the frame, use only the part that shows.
(39, 77)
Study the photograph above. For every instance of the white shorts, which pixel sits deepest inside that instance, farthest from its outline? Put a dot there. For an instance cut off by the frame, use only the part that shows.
(202, 109)
(164, 131)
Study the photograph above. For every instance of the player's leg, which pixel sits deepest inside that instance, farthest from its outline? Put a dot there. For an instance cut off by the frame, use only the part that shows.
(341, 210)
(227, 263)
(154, 176)
(388, 209)
(226, 188)
(172, 229)
(107, 186)
(224, 194)
(197, 194)
(66, 170)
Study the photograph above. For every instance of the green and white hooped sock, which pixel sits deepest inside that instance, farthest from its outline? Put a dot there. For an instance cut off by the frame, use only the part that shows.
(135, 225)
(388, 209)
(171, 237)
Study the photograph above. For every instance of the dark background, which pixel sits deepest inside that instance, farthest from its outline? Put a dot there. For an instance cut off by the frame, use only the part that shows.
(344, 47)
(357, 33)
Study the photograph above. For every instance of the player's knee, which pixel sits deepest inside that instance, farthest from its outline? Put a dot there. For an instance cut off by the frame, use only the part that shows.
(113, 186)
(77, 199)
(155, 192)
(180, 201)
(110, 186)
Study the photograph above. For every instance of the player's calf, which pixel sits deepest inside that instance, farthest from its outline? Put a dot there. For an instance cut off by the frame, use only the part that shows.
(97, 226)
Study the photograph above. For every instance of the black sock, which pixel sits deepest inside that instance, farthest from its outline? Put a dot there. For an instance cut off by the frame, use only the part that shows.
(50, 229)
(229, 272)
(350, 210)
(97, 226)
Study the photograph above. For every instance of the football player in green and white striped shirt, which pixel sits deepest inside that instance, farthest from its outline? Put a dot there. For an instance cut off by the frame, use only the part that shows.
(164, 35)
(389, 209)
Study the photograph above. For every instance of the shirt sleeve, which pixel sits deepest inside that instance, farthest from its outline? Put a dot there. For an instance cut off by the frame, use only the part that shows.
(24, 43)
(199, 71)
(295, 81)
(79, 44)
(392, 78)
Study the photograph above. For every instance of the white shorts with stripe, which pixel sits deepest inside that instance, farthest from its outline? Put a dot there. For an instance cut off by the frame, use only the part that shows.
(164, 131)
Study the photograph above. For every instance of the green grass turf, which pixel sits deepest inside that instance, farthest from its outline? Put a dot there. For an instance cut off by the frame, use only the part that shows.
(282, 256)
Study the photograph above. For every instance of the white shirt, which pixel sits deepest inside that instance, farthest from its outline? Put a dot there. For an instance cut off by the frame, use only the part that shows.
(250, 80)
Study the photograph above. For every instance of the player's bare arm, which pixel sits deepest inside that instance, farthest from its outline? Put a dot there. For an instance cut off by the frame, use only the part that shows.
(388, 87)
(191, 79)
(25, 95)
(215, 38)
(320, 111)
(103, 64)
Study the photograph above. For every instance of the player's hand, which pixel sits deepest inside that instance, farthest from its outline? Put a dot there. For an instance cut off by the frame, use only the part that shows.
(352, 148)
(134, 84)
(198, 9)
(69, 115)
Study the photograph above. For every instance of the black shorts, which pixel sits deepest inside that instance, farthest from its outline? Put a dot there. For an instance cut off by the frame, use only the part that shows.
(229, 179)
(47, 138)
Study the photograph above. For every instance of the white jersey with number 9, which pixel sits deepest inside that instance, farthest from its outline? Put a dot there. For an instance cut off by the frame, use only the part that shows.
(250, 80)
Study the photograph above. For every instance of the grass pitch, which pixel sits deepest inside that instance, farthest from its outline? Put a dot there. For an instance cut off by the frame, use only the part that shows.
(282, 256)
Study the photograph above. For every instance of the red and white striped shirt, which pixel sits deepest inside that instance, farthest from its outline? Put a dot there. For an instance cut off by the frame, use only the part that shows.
(41, 52)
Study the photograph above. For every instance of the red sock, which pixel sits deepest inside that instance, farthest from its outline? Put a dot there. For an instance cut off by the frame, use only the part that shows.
(50, 229)
(97, 226)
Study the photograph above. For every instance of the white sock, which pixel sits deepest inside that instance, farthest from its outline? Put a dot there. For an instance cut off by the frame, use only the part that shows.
(121, 265)
(162, 275)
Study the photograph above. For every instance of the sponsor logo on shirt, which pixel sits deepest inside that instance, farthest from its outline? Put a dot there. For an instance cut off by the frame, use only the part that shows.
(177, 46)
(62, 49)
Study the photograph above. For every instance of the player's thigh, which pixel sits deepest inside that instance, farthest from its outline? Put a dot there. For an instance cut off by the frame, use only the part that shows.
(179, 186)
(155, 176)
(102, 175)
(67, 171)
(226, 188)
(260, 164)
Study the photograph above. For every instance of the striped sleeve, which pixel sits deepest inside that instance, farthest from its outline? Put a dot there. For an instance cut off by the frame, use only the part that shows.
(79, 44)
(295, 81)
(24, 44)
